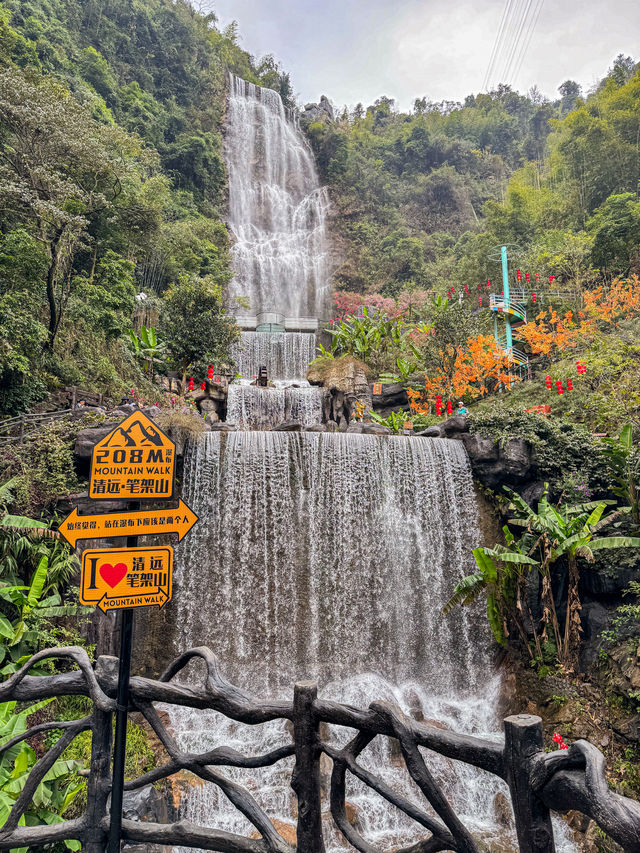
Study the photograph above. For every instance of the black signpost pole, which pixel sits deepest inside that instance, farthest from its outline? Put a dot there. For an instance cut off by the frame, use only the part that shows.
(122, 705)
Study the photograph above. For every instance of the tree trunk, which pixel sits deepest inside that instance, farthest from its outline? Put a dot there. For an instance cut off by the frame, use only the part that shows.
(54, 314)
(572, 626)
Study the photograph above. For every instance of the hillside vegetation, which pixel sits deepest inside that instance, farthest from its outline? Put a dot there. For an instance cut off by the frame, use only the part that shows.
(112, 182)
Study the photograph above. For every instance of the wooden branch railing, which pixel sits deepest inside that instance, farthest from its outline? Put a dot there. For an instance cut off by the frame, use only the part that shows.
(538, 781)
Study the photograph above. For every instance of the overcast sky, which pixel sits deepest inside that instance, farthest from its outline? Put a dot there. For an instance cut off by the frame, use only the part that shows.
(357, 50)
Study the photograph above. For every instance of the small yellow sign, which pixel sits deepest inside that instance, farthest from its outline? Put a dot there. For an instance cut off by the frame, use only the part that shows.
(136, 461)
(117, 578)
(141, 522)
(377, 389)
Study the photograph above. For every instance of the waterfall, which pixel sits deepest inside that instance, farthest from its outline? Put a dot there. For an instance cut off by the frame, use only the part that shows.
(286, 354)
(277, 207)
(252, 407)
(330, 556)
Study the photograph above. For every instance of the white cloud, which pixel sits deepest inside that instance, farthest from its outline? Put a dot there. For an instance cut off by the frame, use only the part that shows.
(357, 50)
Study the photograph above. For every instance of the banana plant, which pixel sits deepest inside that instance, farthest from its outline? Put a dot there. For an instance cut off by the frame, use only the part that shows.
(500, 570)
(40, 600)
(57, 791)
(148, 347)
(395, 421)
(551, 533)
(406, 369)
(623, 457)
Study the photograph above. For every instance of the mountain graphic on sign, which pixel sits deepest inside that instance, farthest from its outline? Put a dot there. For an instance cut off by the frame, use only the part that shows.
(134, 436)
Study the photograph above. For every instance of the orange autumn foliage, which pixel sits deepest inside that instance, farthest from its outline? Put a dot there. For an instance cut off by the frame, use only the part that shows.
(475, 370)
(550, 332)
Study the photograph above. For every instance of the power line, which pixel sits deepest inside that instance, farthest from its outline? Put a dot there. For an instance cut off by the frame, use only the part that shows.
(494, 51)
(527, 41)
(510, 38)
(513, 53)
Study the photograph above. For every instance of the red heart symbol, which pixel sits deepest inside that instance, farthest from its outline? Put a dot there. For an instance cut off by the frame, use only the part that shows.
(112, 575)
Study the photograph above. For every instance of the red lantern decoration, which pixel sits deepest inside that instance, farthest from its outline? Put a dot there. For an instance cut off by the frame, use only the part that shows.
(191, 383)
(547, 381)
(527, 277)
(449, 407)
(480, 301)
(559, 387)
(552, 278)
(488, 284)
(466, 288)
(569, 385)
(537, 276)
(533, 296)
(210, 373)
(518, 275)
(479, 286)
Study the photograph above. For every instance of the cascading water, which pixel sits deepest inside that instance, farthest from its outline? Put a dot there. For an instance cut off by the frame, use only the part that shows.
(252, 407)
(330, 556)
(286, 355)
(277, 207)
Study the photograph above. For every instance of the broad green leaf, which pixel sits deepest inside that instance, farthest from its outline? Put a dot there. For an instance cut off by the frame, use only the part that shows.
(38, 582)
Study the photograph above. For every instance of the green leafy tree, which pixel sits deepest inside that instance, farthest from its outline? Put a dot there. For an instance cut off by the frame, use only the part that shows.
(569, 532)
(81, 166)
(195, 323)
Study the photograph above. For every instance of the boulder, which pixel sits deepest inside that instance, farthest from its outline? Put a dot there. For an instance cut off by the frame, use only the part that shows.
(151, 411)
(345, 382)
(288, 426)
(532, 492)
(355, 427)
(221, 426)
(144, 804)
(480, 449)
(87, 439)
(376, 429)
(502, 809)
(208, 405)
(594, 618)
(212, 418)
(393, 397)
(455, 425)
(431, 432)
(286, 830)
(516, 455)
(318, 112)
(316, 428)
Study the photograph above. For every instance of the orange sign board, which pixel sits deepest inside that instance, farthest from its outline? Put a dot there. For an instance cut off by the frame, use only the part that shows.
(377, 388)
(117, 578)
(144, 522)
(136, 461)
